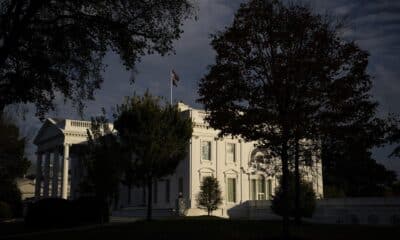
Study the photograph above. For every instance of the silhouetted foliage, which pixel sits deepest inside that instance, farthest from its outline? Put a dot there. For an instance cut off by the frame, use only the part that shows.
(90, 210)
(307, 199)
(13, 163)
(209, 197)
(57, 212)
(5, 210)
(103, 161)
(331, 191)
(394, 135)
(10, 193)
(50, 212)
(49, 47)
(347, 149)
(283, 73)
(154, 136)
(395, 188)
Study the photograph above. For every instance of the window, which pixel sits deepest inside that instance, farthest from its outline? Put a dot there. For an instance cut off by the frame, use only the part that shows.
(155, 188)
(261, 188)
(253, 189)
(269, 183)
(167, 189)
(258, 188)
(206, 150)
(230, 152)
(180, 185)
(307, 157)
(231, 189)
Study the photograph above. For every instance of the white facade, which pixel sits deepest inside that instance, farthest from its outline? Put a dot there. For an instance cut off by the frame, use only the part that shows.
(228, 159)
(58, 168)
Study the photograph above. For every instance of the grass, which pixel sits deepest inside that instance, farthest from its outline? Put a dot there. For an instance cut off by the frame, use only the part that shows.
(214, 228)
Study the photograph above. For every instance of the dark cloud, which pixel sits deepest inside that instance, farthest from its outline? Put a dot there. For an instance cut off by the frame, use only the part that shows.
(374, 25)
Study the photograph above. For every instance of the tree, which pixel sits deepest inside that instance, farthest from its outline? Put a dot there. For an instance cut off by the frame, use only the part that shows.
(348, 138)
(278, 70)
(103, 161)
(394, 135)
(154, 136)
(13, 163)
(128, 178)
(52, 47)
(209, 197)
(307, 199)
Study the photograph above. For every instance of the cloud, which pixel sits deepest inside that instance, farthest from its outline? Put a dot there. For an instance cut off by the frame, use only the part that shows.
(374, 25)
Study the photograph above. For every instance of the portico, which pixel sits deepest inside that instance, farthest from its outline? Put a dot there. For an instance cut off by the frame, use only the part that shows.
(52, 172)
(55, 166)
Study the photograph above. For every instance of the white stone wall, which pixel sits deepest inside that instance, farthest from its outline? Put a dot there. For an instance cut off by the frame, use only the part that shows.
(62, 134)
(371, 211)
(194, 168)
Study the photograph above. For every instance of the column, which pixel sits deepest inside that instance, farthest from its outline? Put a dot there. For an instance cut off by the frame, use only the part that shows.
(46, 176)
(38, 183)
(240, 168)
(65, 172)
(56, 167)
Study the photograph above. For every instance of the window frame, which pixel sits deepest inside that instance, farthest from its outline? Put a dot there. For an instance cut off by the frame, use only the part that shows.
(234, 160)
(228, 195)
(258, 189)
(269, 189)
(180, 185)
(210, 150)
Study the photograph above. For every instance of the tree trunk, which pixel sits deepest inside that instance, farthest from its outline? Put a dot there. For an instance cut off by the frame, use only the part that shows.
(285, 190)
(105, 208)
(2, 106)
(116, 200)
(149, 199)
(297, 189)
(129, 193)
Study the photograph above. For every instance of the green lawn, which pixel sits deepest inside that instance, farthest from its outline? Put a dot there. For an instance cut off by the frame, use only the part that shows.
(212, 228)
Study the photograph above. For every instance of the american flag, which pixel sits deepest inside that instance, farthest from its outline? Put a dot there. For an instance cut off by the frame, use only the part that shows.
(174, 78)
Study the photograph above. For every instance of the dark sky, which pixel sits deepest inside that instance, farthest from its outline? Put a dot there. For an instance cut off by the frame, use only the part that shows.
(373, 24)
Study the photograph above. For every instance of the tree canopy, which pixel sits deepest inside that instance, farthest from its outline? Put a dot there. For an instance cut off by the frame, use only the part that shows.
(348, 148)
(284, 73)
(394, 135)
(307, 199)
(57, 47)
(154, 136)
(13, 163)
(209, 196)
(103, 161)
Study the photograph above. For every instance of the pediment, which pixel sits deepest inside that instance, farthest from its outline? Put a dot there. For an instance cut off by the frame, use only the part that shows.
(48, 130)
(206, 170)
(231, 172)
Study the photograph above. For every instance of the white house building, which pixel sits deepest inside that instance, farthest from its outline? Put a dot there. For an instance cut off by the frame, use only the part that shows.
(234, 162)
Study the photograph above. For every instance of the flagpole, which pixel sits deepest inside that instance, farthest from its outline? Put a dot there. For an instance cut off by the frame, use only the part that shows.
(170, 84)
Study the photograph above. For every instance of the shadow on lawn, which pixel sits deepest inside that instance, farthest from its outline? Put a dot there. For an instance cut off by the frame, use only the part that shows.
(209, 228)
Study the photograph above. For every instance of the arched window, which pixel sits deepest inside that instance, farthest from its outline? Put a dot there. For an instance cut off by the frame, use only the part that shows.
(261, 161)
